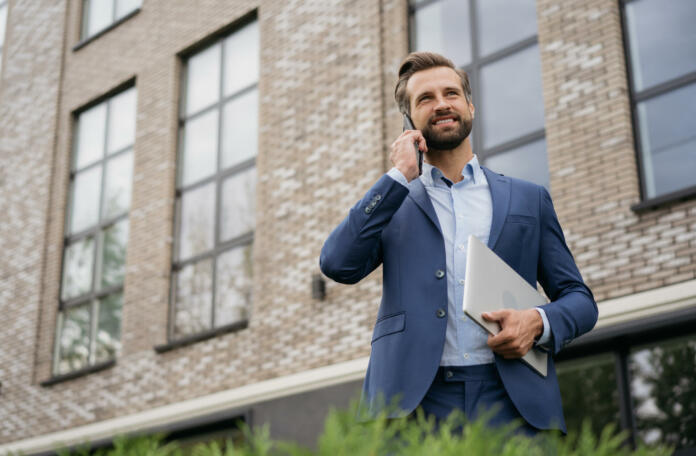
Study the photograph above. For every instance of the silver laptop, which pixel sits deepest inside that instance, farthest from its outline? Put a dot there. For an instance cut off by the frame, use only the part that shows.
(492, 285)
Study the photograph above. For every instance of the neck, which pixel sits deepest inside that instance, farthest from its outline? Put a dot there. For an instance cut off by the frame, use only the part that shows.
(451, 162)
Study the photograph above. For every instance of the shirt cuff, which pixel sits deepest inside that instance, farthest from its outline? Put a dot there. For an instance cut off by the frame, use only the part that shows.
(398, 176)
(546, 335)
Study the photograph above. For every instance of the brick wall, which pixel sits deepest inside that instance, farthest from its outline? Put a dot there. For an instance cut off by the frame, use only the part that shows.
(592, 159)
(326, 119)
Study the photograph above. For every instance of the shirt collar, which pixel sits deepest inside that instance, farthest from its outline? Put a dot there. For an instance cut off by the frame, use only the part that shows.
(432, 176)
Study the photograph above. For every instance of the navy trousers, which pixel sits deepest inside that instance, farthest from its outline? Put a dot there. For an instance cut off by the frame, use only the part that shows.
(473, 390)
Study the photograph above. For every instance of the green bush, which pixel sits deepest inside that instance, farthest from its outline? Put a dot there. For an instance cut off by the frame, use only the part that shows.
(344, 436)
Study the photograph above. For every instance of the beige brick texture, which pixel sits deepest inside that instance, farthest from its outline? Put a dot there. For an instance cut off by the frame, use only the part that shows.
(327, 117)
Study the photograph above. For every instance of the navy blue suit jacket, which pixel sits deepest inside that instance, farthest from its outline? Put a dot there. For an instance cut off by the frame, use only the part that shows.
(397, 227)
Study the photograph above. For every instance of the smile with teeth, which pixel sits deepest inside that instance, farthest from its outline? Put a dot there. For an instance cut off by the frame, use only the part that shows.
(444, 121)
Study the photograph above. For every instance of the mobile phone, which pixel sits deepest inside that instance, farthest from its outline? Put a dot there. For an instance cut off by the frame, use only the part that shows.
(408, 125)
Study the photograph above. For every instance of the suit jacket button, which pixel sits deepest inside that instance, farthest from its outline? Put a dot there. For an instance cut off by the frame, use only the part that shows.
(449, 374)
(439, 273)
(368, 209)
(440, 313)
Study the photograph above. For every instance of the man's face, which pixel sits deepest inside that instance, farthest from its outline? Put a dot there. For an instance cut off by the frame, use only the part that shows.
(439, 107)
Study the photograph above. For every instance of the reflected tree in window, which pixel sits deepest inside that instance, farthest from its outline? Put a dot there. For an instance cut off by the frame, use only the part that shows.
(663, 387)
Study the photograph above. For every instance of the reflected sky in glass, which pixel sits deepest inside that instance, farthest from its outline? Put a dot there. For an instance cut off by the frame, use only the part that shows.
(668, 141)
(511, 99)
(528, 162)
(443, 27)
(662, 40)
(504, 22)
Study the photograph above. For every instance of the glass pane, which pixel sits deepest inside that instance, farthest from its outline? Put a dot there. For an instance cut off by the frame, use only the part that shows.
(663, 387)
(100, 14)
(240, 129)
(113, 253)
(78, 266)
(238, 204)
(527, 162)
(3, 19)
(124, 7)
(662, 40)
(117, 188)
(203, 79)
(108, 340)
(234, 285)
(443, 27)
(90, 141)
(242, 58)
(590, 392)
(73, 350)
(122, 121)
(502, 23)
(197, 229)
(84, 211)
(668, 141)
(194, 301)
(511, 106)
(200, 147)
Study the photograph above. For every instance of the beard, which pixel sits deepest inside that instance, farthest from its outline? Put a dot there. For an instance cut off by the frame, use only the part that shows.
(446, 140)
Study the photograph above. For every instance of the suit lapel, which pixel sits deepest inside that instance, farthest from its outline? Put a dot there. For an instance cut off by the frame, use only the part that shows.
(418, 193)
(500, 194)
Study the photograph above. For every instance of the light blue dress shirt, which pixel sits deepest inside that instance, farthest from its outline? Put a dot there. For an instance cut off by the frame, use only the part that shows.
(462, 208)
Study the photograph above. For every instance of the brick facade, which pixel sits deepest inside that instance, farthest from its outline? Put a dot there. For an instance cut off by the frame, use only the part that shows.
(326, 119)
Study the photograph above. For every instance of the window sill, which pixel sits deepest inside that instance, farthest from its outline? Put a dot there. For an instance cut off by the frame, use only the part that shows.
(79, 373)
(664, 200)
(113, 25)
(194, 338)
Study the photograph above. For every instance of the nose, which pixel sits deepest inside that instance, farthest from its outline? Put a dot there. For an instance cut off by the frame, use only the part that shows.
(442, 104)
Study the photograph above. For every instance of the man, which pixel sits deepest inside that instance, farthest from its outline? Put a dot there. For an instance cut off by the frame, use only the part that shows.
(425, 352)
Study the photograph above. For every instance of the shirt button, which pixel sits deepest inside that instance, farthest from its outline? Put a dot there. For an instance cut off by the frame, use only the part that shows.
(466, 356)
(439, 273)
(440, 313)
(462, 247)
(461, 281)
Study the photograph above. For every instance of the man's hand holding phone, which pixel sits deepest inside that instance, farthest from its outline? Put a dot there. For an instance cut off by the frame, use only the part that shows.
(404, 154)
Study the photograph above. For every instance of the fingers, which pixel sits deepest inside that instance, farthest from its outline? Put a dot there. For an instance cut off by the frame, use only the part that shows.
(403, 153)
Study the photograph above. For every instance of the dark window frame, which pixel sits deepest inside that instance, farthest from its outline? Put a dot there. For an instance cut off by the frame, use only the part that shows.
(473, 70)
(96, 232)
(217, 178)
(637, 96)
(86, 39)
(618, 339)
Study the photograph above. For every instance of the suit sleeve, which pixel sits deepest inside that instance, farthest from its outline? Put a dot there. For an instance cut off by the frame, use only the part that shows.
(354, 248)
(572, 310)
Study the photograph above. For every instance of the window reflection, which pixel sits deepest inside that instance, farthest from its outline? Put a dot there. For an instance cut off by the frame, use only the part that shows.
(194, 287)
(511, 102)
(443, 27)
(73, 350)
(663, 388)
(588, 390)
(502, 23)
(234, 285)
(527, 162)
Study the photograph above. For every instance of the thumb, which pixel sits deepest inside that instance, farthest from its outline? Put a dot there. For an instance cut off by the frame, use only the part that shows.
(494, 316)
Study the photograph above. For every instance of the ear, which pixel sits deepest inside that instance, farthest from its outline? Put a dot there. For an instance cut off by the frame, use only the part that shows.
(472, 109)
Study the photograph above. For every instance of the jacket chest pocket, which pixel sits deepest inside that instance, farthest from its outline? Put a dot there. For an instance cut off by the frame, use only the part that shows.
(389, 324)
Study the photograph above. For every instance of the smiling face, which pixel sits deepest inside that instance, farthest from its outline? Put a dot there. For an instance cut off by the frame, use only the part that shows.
(439, 107)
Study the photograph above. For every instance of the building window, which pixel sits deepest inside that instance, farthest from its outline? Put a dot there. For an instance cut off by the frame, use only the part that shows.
(3, 27)
(661, 46)
(643, 380)
(97, 15)
(89, 321)
(495, 41)
(216, 190)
